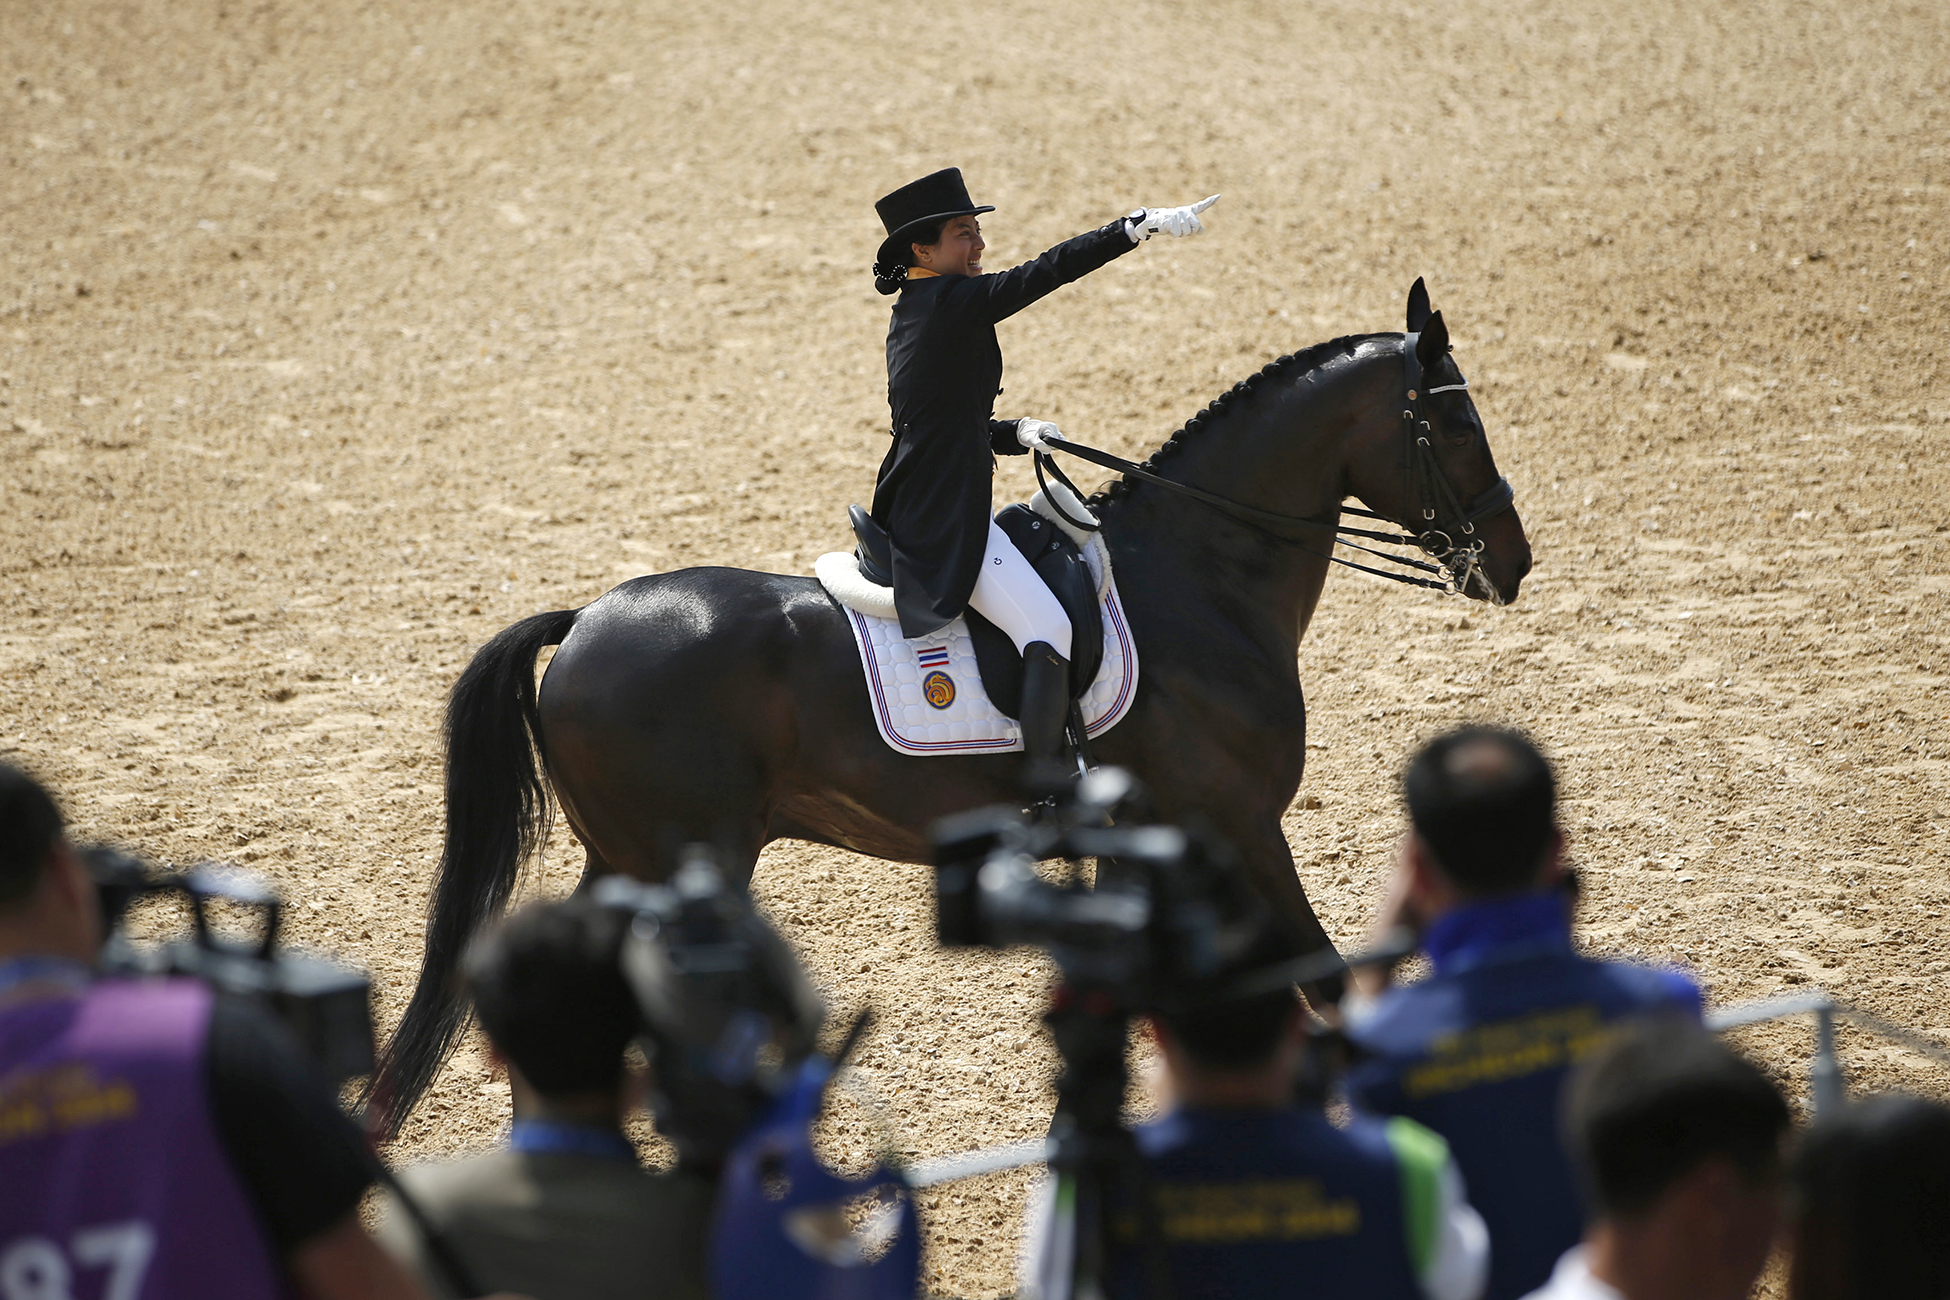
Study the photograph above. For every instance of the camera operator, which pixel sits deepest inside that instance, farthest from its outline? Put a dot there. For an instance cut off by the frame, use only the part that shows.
(156, 1140)
(565, 1212)
(1677, 1142)
(1257, 1195)
(1478, 1050)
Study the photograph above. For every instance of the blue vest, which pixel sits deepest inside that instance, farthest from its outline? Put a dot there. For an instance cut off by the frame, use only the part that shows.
(1478, 1052)
(1270, 1203)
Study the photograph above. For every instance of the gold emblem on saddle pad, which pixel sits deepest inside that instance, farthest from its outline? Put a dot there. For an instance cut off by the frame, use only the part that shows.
(938, 689)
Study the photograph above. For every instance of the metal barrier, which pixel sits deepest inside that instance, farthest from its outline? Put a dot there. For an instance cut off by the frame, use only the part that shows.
(1828, 1087)
(1828, 1084)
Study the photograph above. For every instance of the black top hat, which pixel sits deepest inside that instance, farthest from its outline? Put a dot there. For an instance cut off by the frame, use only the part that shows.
(932, 198)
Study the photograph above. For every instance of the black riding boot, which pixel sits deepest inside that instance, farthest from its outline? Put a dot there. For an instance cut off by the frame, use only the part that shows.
(1045, 711)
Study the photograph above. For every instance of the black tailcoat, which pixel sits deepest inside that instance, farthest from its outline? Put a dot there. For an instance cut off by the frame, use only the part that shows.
(944, 370)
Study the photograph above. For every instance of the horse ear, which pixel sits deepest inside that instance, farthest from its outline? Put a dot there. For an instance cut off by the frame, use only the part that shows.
(1433, 343)
(1418, 306)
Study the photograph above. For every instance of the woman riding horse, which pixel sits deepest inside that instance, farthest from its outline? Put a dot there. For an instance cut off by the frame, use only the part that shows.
(944, 372)
(727, 706)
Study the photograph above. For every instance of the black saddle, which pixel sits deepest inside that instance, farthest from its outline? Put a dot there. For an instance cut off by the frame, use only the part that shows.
(1060, 564)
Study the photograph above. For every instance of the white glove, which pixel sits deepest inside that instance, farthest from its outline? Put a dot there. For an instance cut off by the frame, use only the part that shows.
(1037, 435)
(1177, 222)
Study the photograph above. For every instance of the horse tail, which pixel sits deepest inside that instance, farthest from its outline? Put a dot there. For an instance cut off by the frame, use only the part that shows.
(497, 813)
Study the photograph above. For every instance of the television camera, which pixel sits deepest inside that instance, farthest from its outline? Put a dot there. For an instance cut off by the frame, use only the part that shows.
(1170, 920)
(325, 1003)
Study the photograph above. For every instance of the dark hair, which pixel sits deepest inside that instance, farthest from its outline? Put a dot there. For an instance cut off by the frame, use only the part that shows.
(1236, 1034)
(1657, 1100)
(551, 997)
(1871, 1198)
(1485, 802)
(1225, 1032)
(30, 827)
(889, 276)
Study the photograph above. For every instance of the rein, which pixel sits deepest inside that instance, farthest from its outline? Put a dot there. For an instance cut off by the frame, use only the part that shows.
(1265, 521)
(1452, 563)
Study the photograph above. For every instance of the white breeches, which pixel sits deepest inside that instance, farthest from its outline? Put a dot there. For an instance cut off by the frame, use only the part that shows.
(1011, 596)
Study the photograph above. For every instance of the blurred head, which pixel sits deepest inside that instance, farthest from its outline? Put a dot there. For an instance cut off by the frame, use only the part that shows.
(1240, 1052)
(1239, 1034)
(1870, 1203)
(1676, 1140)
(1235, 1051)
(48, 903)
(1482, 802)
(552, 1000)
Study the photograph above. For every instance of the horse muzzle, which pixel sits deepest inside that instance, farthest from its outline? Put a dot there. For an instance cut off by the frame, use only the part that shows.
(1500, 562)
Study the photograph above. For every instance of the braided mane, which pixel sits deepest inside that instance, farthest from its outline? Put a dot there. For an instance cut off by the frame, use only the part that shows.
(1292, 366)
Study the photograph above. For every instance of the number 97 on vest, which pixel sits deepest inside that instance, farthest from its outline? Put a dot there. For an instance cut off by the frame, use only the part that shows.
(37, 1268)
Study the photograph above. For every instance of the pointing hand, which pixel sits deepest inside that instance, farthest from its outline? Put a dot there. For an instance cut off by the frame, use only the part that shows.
(1177, 222)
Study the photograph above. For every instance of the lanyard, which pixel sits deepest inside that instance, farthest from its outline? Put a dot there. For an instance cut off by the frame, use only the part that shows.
(72, 976)
(553, 1137)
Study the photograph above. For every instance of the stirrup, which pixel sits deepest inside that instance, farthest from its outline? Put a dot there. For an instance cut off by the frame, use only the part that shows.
(1048, 779)
(1079, 738)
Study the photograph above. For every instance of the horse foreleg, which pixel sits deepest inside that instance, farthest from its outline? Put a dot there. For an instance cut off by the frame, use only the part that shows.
(593, 869)
(1268, 861)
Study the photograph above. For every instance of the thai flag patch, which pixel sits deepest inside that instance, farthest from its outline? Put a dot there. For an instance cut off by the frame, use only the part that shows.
(935, 658)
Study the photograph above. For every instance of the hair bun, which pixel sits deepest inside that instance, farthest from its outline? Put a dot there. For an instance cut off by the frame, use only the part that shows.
(888, 279)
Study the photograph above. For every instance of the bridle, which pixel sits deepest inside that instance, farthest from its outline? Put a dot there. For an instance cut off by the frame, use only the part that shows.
(1447, 527)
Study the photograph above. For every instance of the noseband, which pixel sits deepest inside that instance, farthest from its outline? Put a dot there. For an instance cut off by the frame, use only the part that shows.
(1447, 528)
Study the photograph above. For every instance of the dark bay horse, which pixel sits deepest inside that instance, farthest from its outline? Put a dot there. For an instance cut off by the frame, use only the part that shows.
(729, 706)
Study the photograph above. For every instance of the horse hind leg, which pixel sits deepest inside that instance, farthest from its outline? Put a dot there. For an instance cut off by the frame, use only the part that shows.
(733, 849)
(652, 848)
(660, 735)
(735, 861)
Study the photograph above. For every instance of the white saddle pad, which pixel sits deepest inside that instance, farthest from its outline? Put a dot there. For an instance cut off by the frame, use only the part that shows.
(927, 694)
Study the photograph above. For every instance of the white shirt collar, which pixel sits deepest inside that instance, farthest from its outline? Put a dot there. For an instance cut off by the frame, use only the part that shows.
(1572, 1280)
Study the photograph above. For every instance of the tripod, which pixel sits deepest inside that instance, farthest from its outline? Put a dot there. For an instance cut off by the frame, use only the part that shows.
(1101, 1181)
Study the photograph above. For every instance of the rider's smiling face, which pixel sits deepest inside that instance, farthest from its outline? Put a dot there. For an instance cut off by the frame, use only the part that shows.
(958, 253)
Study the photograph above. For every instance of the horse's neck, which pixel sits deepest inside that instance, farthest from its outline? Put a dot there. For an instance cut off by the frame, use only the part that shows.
(1282, 451)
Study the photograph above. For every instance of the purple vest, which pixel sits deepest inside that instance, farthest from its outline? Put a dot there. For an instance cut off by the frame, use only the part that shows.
(113, 1183)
